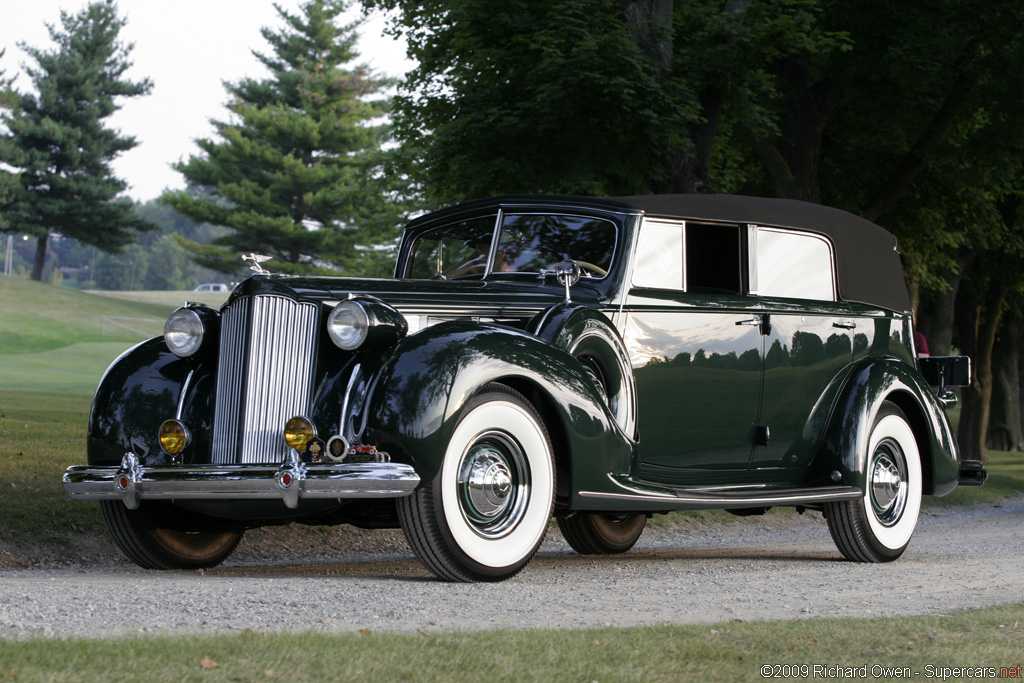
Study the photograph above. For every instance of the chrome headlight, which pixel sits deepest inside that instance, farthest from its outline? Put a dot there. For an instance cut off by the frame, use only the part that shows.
(183, 332)
(365, 322)
(348, 325)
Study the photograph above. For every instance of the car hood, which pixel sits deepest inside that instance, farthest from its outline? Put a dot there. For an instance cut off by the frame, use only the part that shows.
(525, 296)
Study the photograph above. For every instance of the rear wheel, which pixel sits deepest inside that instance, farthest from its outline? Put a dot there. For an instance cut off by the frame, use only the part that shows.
(597, 534)
(485, 513)
(878, 527)
(148, 537)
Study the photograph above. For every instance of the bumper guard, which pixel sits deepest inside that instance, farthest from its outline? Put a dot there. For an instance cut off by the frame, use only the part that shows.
(972, 473)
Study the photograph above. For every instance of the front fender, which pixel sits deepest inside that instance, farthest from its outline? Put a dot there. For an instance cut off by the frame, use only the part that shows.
(872, 381)
(419, 395)
(141, 389)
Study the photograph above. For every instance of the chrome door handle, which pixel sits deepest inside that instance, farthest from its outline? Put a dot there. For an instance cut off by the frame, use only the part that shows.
(760, 321)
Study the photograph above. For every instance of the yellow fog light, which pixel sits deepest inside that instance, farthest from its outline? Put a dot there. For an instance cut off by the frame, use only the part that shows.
(298, 432)
(174, 436)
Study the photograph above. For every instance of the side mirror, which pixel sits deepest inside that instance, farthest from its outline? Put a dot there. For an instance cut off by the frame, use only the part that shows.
(568, 274)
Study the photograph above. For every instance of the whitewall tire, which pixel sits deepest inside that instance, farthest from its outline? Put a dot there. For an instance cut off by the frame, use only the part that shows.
(878, 527)
(487, 510)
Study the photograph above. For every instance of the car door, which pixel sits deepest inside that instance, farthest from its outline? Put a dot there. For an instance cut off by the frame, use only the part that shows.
(809, 339)
(695, 343)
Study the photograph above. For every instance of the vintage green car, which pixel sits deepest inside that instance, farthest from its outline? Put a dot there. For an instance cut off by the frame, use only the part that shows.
(595, 360)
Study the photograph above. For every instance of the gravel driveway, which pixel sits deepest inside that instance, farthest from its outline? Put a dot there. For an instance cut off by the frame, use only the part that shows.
(780, 566)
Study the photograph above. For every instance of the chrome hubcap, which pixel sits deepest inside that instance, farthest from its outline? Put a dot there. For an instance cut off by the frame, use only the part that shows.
(493, 484)
(888, 485)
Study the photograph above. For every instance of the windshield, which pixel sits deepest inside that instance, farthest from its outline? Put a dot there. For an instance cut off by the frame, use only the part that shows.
(456, 250)
(527, 243)
(533, 243)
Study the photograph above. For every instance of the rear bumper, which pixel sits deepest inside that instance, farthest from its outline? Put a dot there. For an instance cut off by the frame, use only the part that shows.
(972, 473)
(290, 482)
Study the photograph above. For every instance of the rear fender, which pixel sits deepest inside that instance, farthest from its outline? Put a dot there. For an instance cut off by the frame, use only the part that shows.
(872, 381)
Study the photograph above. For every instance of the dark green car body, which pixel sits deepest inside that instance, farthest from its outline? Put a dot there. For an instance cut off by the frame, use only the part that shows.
(707, 352)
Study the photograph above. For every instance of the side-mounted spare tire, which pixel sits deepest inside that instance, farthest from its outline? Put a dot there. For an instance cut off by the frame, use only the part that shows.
(591, 338)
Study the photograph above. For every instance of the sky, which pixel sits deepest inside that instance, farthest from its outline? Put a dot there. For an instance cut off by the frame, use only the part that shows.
(188, 48)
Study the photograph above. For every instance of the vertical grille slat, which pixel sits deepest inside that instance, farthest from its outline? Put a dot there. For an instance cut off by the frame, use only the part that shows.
(268, 346)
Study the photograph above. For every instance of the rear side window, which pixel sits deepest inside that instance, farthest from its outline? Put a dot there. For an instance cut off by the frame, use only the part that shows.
(702, 258)
(794, 265)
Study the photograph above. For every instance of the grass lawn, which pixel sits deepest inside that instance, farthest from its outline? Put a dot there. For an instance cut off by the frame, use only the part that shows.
(923, 648)
(55, 345)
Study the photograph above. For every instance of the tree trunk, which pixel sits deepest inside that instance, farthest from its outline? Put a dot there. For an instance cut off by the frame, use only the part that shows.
(793, 161)
(935, 319)
(1004, 428)
(976, 331)
(40, 260)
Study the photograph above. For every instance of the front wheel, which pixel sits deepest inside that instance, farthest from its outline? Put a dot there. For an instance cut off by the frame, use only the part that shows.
(878, 527)
(597, 534)
(485, 513)
(159, 536)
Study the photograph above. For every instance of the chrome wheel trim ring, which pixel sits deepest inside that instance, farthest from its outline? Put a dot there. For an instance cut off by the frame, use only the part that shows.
(493, 484)
(519, 540)
(897, 533)
(888, 482)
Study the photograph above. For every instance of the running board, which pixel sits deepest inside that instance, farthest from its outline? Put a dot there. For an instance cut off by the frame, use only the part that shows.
(641, 496)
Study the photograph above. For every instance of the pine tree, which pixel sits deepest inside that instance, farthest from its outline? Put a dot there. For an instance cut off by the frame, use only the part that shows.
(57, 140)
(8, 180)
(294, 173)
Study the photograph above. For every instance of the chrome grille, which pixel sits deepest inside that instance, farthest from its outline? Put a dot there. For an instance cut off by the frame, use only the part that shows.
(264, 376)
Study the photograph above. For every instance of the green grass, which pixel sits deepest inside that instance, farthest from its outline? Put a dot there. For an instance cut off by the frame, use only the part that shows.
(720, 652)
(37, 317)
(55, 345)
(1005, 480)
(41, 434)
(52, 353)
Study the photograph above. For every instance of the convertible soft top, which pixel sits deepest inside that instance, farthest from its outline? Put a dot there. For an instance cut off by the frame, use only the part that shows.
(867, 258)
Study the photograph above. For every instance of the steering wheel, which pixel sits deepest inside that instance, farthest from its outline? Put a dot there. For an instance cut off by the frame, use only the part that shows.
(598, 271)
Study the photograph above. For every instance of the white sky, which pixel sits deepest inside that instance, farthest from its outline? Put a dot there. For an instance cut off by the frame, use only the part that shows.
(188, 48)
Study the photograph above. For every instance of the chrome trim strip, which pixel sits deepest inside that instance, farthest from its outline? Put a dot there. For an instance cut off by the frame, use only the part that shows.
(475, 311)
(289, 482)
(185, 386)
(718, 499)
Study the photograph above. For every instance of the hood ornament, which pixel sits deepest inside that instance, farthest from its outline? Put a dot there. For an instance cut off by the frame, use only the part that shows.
(256, 261)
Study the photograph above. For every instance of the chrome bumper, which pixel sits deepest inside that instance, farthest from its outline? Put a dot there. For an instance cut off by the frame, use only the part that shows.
(290, 482)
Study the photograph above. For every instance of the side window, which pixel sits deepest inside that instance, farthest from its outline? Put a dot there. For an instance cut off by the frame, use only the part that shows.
(794, 265)
(714, 261)
(451, 251)
(659, 256)
(702, 258)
